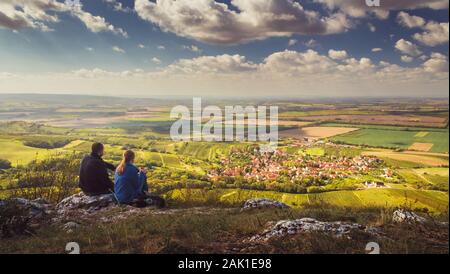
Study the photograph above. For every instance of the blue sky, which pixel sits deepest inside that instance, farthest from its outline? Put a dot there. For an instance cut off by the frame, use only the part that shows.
(151, 38)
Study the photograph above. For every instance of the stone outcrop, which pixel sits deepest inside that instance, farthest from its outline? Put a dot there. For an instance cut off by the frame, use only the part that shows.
(262, 203)
(69, 227)
(404, 216)
(307, 225)
(89, 203)
(37, 208)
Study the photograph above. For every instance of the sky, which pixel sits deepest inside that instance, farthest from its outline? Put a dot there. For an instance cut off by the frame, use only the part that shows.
(293, 48)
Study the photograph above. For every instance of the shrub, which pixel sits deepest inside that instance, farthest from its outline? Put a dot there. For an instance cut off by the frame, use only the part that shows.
(5, 164)
(14, 219)
(46, 144)
(315, 189)
(52, 179)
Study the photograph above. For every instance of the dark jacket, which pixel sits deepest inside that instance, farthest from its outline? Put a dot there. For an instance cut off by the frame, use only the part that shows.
(94, 178)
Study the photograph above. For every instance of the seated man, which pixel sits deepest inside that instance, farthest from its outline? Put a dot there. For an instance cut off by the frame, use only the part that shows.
(94, 178)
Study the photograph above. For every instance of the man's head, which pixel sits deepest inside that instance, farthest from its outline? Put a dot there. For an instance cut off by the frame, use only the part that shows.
(98, 149)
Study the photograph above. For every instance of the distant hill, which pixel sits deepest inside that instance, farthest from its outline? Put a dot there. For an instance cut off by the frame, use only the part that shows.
(71, 100)
(19, 127)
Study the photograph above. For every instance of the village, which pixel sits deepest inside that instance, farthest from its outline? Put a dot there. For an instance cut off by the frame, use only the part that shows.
(257, 166)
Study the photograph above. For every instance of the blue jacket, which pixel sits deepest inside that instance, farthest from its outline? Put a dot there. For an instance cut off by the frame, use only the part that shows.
(130, 185)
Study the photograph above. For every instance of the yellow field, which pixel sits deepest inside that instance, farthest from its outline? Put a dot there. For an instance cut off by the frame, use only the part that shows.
(433, 171)
(422, 158)
(256, 122)
(19, 154)
(316, 132)
(435, 201)
(421, 134)
(421, 146)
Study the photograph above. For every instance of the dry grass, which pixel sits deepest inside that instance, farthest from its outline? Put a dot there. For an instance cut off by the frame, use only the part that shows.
(421, 146)
(316, 132)
(421, 134)
(409, 157)
(397, 120)
(228, 231)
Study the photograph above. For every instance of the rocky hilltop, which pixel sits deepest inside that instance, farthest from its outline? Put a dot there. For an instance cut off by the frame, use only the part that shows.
(80, 212)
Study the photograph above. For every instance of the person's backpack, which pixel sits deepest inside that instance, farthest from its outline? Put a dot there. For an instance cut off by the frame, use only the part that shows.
(157, 201)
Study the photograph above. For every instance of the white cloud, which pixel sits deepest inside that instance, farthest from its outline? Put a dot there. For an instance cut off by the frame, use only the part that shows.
(221, 64)
(407, 47)
(372, 28)
(291, 73)
(337, 54)
(117, 6)
(311, 43)
(192, 48)
(292, 42)
(89, 49)
(94, 73)
(297, 63)
(156, 60)
(141, 46)
(118, 49)
(438, 63)
(358, 8)
(98, 73)
(434, 34)
(288, 65)
(38, 14)
(214, 22)
(377, 50)
(161, 47)
(355, 66)
(16, 15)
(4, 75)
(406, 58)
(96, 24)
(410, 21)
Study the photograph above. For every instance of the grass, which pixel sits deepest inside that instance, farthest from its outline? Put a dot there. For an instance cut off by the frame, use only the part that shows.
(408, 160)
(428, 178)
(394, 139)
(326, 113)
(434, 201)
(383, 127)
(316, 151)
(206, 151)
(218, 231)
(19, 154)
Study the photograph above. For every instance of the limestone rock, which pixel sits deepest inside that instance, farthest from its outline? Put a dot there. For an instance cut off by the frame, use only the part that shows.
(263, 203)
(306, 225)
(82, 201)
(36, 208)
(69, 227)
(404, 216)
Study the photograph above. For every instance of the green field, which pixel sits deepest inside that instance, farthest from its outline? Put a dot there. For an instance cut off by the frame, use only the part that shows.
(384, 127)
(430, 178)
(395, 138)
(19, 154)
(435, 201)
(315, 151)
(206, 151)
(420, 180)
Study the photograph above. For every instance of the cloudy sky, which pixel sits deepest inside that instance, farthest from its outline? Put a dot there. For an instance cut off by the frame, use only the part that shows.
(225, 47)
